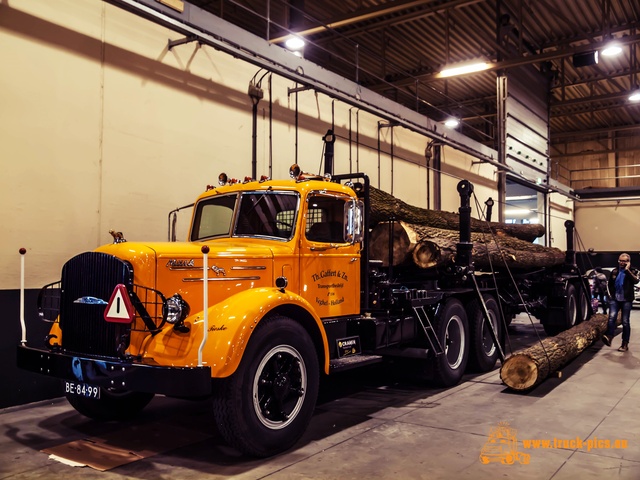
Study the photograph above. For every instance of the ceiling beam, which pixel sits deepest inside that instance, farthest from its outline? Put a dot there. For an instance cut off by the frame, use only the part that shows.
(378, 12)
(521, 61)
(593, 152)
(589, 100)
(357, 16)
(596, 131)
(596, 79)
(627, 28)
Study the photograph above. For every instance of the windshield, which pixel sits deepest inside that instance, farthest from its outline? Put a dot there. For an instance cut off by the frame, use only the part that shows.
(213, 217)
(271, 214)
(264, 214)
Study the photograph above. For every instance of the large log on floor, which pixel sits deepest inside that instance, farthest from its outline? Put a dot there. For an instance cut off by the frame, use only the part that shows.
(529, 367)
(434, 247)
(384, 205)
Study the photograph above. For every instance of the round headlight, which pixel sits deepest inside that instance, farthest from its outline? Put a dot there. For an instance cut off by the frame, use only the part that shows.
(175, 309)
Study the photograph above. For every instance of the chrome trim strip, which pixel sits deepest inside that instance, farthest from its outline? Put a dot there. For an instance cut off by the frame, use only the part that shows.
(257, 267)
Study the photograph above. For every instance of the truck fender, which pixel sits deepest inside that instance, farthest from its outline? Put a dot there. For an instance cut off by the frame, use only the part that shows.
(231, 323)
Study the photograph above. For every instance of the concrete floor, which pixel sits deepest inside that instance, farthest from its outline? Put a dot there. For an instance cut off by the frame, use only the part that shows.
(376, 424)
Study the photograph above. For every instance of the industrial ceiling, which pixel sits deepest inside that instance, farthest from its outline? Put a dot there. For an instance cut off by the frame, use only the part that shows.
(397, 48)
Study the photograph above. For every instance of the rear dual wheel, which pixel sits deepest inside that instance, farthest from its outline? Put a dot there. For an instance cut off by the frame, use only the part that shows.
(452, 329)
(483, 351)
(575, 310)
(583, 303)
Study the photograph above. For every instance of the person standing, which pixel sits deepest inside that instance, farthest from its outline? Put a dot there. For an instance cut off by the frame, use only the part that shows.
(600, 289)
(621, 283)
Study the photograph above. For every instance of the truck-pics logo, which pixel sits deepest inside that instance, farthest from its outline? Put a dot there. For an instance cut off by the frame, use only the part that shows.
(502, 446)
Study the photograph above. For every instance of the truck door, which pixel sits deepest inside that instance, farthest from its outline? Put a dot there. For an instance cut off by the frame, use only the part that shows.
(329, 264)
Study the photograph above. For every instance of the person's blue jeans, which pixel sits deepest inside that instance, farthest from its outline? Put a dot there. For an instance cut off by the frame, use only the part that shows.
(614, 307)
(603, 301)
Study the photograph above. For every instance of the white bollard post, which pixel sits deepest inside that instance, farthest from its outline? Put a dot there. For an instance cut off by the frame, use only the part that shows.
(22, 251)
(205, 295)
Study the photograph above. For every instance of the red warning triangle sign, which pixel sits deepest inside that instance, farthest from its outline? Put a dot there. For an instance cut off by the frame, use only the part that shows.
(119, 309)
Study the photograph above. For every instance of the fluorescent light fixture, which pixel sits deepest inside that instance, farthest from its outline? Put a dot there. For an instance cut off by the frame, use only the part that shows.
(294, 43)
(635, 96)
(452, 122)
(516, 212)
(612, 49)
(463, 69)
(520, 197)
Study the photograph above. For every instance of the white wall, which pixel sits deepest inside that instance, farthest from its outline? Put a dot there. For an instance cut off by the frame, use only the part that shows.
(561, 209)
(458, 166)
(605, 226)
(609, 226)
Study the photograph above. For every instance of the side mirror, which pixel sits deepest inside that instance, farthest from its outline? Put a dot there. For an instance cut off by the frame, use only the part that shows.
(354, 221)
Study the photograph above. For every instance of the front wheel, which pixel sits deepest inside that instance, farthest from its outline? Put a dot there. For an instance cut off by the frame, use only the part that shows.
(452, 329)
(112, 404)
(266, 405)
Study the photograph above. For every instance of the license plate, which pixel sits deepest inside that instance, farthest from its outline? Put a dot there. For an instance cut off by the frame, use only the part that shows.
(82, 390)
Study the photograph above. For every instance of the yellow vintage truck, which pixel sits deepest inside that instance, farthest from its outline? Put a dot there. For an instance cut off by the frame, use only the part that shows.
(273, 288)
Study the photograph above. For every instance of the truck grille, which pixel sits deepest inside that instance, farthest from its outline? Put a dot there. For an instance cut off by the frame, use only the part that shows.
(84, 329)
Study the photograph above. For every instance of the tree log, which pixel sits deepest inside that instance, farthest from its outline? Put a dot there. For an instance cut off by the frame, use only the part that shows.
(435, 247)
(384, 205)
(529, 367)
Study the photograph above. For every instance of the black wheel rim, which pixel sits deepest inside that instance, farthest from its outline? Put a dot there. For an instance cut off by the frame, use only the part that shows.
(279, 387)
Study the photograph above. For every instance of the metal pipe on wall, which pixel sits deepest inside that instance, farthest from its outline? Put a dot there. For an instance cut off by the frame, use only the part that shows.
(270, 126)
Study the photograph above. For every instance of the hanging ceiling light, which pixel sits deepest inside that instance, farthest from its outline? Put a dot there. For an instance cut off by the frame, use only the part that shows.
(452, 122)
(294, 43)
(635, 96)
(463, 69)
(613, 48)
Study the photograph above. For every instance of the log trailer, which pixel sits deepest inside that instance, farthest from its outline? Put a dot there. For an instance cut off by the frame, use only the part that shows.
(273, 289)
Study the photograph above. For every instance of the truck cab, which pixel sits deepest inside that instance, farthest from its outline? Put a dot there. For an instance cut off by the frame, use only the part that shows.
(241, 304)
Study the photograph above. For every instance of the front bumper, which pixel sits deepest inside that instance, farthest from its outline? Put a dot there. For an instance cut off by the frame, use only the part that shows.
(132, 376)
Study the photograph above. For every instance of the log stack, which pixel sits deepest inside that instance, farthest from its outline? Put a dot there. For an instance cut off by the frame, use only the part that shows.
(384, 205)
(428, 238)
(527, 368)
